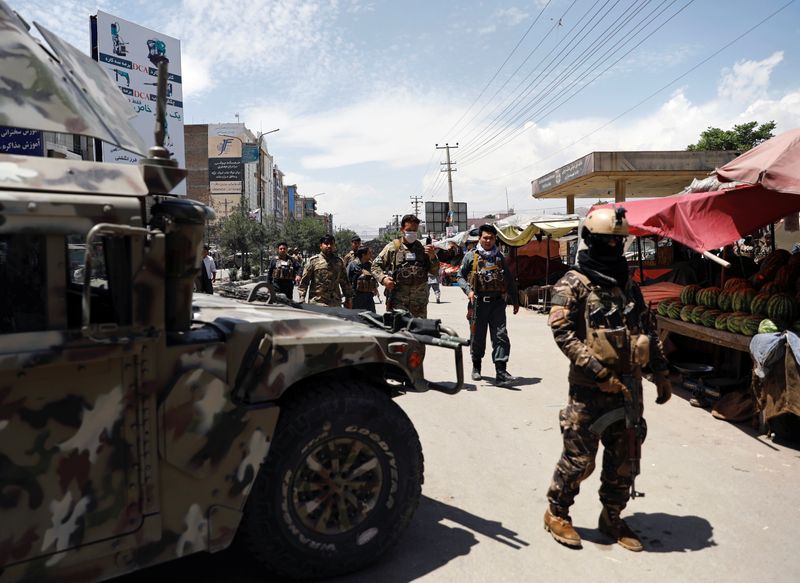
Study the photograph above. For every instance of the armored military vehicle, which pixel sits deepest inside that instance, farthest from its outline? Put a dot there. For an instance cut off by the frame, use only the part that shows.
(140, 423)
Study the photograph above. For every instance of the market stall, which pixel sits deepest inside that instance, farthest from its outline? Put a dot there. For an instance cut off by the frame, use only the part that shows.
(726, 315)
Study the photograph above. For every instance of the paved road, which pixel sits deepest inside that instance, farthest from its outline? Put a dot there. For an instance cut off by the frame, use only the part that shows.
(722, 504)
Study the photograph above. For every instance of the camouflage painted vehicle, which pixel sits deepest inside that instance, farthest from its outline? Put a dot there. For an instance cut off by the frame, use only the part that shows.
(138, 423)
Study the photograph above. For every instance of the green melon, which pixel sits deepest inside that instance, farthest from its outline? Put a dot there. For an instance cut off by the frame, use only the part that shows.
(767, 326)
(724, 300)
(750, 324)
(775, 260)
(709, 317)
(758, 305)
(783, 307)
(697, 314)
(772, 288)
(740, 302)
(689, 294)
(786, 276)
(735, 282)
(721, 323)
(663, 307)
(710, 296)
(735, 322)
(674, 310)
(686, 312)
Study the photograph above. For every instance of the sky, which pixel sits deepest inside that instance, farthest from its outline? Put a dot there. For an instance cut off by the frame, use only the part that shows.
(363, 90)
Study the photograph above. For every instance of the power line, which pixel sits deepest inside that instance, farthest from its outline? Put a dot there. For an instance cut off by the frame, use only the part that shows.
(657, 91)
(512, 134)
(415, 202)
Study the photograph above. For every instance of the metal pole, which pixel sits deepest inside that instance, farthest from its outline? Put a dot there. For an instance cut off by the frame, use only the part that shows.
(547, 267)
(641, 262)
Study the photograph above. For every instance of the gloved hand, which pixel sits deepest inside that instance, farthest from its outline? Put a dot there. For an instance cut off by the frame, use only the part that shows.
(663, 386)
(611, 384)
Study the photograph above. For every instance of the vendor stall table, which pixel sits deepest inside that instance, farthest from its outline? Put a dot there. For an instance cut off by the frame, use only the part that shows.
(711, 335)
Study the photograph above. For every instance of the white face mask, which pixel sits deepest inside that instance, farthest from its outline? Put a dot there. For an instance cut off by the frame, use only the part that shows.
(410, 236)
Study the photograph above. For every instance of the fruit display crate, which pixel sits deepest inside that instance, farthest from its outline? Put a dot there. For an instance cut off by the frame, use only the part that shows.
(703, 333)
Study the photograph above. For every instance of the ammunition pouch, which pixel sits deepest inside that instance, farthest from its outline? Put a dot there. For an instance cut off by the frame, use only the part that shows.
(489, 281)
(366, 283)
(283, 271)
(411, 274)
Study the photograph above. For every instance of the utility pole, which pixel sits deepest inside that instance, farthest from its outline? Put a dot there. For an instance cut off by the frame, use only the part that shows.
(415, 202)
(449, 171)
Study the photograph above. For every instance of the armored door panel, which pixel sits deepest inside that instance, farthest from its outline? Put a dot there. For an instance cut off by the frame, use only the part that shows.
(69, 471)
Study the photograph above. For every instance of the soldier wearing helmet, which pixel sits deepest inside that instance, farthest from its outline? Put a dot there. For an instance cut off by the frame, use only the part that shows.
(599, 320)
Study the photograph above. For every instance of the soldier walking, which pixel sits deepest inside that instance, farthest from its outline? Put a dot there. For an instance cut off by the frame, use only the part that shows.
(324, 276)
(600, 321)
(355, 243)
(403, 267)
(284, 271)
(359, 274)
(485, 278)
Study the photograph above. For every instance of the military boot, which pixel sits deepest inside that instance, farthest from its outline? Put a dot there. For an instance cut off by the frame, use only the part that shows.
(503, 378)
(611, 524)
(476, 370)
(561, 529)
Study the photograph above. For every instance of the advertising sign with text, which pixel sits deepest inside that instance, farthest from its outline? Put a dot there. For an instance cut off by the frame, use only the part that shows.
(130, 54)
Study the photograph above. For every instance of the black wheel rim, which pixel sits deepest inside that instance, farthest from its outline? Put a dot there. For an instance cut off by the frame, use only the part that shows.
(337, 485)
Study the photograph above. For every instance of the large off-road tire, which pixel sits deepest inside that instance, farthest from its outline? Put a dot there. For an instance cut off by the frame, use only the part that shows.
(340, 484)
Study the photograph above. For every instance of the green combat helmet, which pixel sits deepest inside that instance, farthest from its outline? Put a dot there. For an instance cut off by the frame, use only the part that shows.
(140, 423)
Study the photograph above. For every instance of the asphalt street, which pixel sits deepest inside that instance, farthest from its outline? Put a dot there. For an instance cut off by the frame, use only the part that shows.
(722, 503)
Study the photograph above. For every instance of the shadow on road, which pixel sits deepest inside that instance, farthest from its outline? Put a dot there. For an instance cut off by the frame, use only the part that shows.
(438, 534)
(662, 533)
(518, 384)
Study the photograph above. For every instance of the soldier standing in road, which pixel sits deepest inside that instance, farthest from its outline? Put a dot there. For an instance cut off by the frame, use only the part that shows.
(284, 271)
(403, 267)
(600, 321)
(485, 278)
(359, 274)
(323, 276)
(355, 243)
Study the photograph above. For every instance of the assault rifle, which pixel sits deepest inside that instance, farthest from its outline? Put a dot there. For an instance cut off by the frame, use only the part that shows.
(617, 332)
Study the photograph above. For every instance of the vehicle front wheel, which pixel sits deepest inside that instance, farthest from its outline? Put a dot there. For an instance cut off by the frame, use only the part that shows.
(340, 484)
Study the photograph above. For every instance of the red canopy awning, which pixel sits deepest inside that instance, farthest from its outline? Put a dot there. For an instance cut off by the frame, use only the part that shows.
(774, 164)
(709, 220)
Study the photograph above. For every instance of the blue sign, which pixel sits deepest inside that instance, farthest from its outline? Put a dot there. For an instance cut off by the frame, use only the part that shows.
(249, 153)
(20, 141)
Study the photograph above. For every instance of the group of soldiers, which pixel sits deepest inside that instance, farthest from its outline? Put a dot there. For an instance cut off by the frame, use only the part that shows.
(598, 318)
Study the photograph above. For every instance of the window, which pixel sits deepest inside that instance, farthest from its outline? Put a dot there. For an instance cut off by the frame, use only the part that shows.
(23, 283)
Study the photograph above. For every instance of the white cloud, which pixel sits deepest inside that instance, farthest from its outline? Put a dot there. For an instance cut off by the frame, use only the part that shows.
(512, 16)
(748, 79)
(487, 29)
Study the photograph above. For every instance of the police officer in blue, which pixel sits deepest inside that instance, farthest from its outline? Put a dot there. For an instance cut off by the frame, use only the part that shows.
(485, 278)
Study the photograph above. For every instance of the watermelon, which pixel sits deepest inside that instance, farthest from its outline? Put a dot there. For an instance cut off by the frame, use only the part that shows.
(686, 312)
(750, 325)
(766, 326)
(772, 287)
(785, 277)
(735, 282)
(664, 305)
(721, 323)
(735, 321)
(674, 310)
(697, 314)
(709, 296)
(689, 294)
(783, 307)
(759, 304)
(775, 260)
(724, 300)
(709, 317)
(740, 302)
(795, 327)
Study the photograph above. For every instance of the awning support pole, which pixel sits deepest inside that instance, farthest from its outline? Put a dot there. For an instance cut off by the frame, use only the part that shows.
(641, 261)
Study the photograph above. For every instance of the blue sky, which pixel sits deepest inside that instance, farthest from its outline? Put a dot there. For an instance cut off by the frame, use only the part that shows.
(363, 89)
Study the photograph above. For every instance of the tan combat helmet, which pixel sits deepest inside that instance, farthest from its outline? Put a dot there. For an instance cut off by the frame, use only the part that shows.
(607, 221)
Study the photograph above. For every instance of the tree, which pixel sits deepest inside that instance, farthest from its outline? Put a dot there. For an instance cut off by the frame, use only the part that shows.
(236, 234)
(390, 236)
(304, 234)
(741, 138)
(343, 237)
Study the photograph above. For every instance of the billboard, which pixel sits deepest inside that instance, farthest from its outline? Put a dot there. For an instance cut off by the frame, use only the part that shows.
(437, 220)
(130, 54)
(21, 141)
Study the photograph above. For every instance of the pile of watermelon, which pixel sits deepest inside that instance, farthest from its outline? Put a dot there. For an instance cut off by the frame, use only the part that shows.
(767, 302)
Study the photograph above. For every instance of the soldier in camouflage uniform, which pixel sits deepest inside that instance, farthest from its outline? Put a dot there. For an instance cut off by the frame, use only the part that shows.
(403, 267)
(584, 302)
(359, 274)
(323, 276)
(355, 243)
